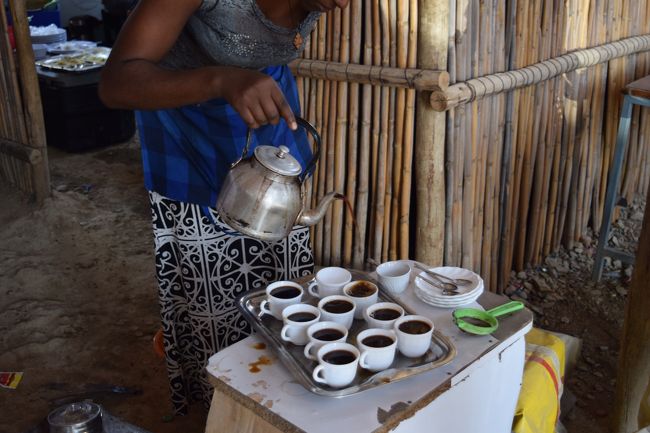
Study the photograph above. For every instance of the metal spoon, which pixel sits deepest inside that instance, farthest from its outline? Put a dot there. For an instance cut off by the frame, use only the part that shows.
(443, 278)
(447, 289)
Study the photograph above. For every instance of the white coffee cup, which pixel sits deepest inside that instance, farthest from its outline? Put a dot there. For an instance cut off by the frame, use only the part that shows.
(329, 281)
(394, 276)
(330, 369)
(276, 300)
(375, 357)
(416, 341)
(295, 331)
(345, 316)
(361, 300)
(322, 333)
(375, 317)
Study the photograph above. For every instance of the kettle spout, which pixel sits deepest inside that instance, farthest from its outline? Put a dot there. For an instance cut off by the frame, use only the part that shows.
(313, 216)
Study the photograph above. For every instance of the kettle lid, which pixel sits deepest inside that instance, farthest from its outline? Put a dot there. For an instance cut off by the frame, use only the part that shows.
(278, 159)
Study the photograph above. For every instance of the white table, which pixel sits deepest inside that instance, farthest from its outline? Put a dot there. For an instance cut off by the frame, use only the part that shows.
(476, 392)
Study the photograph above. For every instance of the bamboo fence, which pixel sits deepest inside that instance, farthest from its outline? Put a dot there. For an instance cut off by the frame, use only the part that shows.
(367, 127)
(527, 170)
(23, 153)
(524, 167)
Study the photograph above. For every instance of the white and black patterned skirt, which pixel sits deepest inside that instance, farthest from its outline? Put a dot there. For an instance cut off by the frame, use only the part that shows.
(202, 266)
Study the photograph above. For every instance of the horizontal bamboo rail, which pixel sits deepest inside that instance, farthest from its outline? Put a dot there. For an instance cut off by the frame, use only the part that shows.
(20, 151)
(418, 79)
(478, 88)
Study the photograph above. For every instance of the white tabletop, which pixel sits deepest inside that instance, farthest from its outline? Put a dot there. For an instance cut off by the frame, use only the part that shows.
(277, 397)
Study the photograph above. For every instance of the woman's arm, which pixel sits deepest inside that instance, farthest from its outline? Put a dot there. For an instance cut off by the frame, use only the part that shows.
(132, 78)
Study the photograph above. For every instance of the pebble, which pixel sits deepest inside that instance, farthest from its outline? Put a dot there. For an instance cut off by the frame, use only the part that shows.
(599, 374)
(565, 319)
(628, 271)
(591, 397)
(522, 275)
(617, 264)
(621, 290)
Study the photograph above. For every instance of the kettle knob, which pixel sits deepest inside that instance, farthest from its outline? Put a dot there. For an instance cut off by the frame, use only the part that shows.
(282, 151)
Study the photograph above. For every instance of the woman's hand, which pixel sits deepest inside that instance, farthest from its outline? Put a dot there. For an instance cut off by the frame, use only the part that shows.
(256, 97)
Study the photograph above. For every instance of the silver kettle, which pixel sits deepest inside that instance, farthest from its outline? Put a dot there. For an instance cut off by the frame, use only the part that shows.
(262, 195)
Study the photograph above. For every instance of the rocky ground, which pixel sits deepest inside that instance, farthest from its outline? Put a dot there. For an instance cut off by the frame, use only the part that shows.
(79, 309)
(565, 299)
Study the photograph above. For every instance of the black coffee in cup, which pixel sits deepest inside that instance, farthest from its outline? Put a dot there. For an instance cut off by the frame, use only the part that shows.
(301, 316)
(415, 327)
(377, 341)
(361, 289)
(339, 357)
(285, 292)
(385, 314)
(328, 334)
(338, 306)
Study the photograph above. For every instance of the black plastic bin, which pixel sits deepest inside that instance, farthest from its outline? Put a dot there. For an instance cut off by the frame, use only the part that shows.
(75, 118)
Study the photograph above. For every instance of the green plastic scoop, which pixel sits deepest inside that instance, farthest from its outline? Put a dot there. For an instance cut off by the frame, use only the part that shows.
(488, 319)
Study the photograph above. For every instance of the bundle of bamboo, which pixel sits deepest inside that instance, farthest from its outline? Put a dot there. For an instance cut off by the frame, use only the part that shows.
(23, 159)
(527, 170)
(524, 171)
(367, 129)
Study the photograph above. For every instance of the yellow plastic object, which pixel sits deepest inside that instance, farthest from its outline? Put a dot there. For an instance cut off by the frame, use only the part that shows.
(538, 408)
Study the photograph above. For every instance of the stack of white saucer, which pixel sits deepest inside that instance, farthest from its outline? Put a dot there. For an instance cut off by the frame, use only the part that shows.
(433, 294)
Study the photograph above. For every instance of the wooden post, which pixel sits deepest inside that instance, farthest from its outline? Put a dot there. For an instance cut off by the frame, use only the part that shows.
(430, 137)
(634, 360)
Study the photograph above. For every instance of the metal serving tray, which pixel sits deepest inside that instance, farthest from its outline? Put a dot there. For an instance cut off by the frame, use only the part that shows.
(441, 352)
(82, 61)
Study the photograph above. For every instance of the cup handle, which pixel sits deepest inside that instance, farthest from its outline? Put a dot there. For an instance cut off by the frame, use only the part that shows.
(264, 307)
(307, 351)
(316, 374)
(312, 289)
(285, 333)
(362, 359)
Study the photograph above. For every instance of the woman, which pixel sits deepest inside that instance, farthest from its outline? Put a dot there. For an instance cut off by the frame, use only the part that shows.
(200, 73)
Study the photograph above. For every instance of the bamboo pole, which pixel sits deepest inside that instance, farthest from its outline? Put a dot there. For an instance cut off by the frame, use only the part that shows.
(430, 136)
(340, 140)
(461, 93)
(362, 204)
(382, 149)
(322, 104)
(351, 230)
(402, 77)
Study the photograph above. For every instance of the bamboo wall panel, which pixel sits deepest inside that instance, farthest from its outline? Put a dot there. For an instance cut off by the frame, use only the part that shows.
(525, 171)
(367, 129)
(23, 155)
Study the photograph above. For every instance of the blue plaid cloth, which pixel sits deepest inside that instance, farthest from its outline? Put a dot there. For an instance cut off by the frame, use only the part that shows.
(187, 151)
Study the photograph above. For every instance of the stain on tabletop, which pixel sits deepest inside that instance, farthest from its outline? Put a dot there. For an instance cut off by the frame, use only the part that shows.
(224, 379)
(256, 397)
(383, 415)
(259, 346)
(261, 384)
(254, 367)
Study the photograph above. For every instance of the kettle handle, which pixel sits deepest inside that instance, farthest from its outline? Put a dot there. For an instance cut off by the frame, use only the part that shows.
(316, 152)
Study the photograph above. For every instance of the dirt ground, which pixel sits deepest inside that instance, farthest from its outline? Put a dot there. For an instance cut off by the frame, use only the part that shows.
(78, 305)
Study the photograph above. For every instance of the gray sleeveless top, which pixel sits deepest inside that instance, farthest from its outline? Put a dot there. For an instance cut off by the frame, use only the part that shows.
(235, 33)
